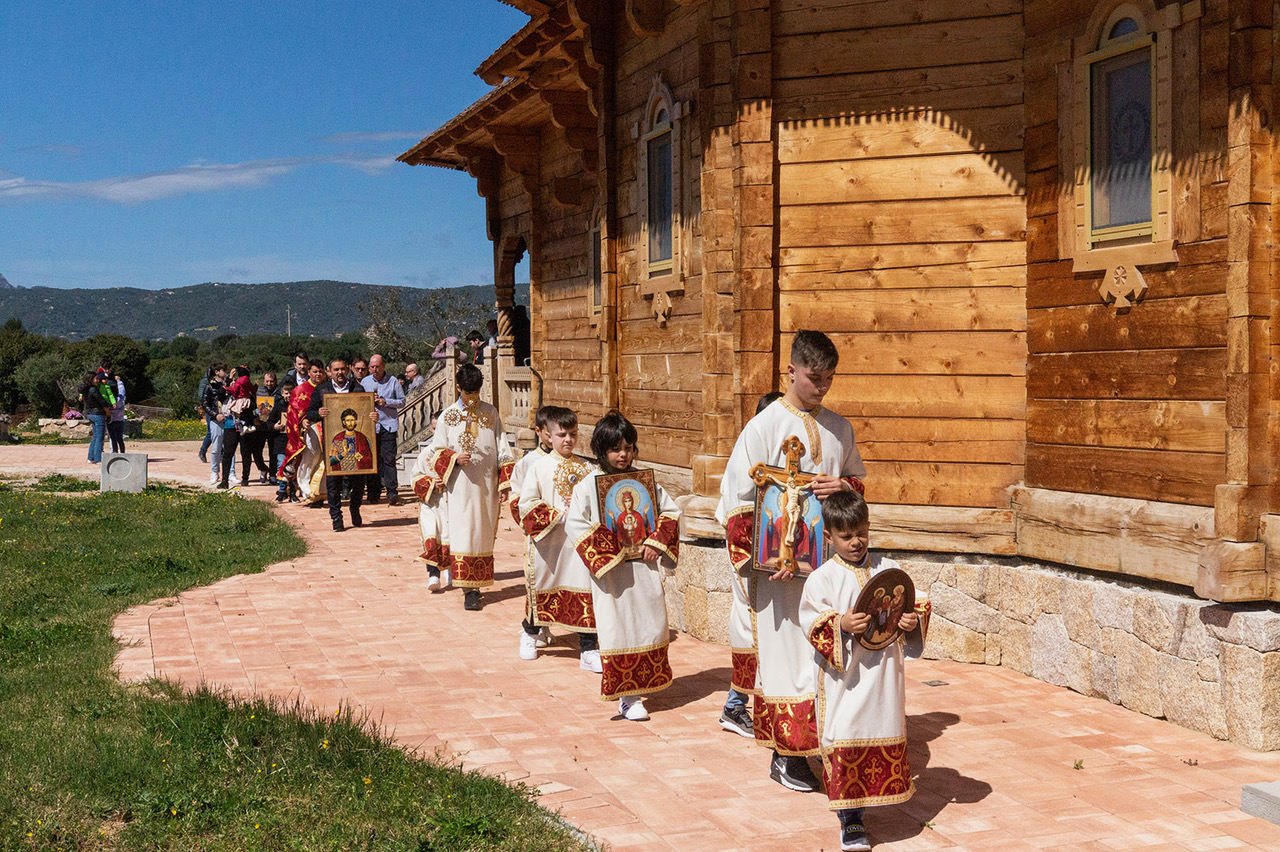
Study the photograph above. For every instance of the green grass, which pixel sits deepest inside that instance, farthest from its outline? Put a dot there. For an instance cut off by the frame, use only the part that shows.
(57, 482)
(174, 430)
(88, 763)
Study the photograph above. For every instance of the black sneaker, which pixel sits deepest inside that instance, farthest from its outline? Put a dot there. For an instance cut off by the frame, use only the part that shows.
(281, 496)
(395, 500)
(794, 774)
(204, 459)
(356, 520)
(738, 721)
(338, 527)
(853, 838)
(471, 600)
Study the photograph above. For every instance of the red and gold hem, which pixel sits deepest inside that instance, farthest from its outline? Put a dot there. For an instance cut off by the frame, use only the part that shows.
(424, 487)
(871, 773)
(788, 726)
(504, 475)
(471, 570)
(599, 550)
(434, 553)
(825, 637)
(744, 671)
(567, 608)
(539, 520)
(442, 464)
(634, 672)
(515, 510)
(739, 529)
(855, 483)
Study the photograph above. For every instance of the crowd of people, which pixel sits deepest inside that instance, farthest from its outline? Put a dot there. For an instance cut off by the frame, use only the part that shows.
(102, 399)
(594, 568)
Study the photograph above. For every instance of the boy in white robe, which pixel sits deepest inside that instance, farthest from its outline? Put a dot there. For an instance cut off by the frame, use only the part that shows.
(785, 713)
(627, 594)
(862, 722)
(470, 460)
(541, 636)
(561, 583)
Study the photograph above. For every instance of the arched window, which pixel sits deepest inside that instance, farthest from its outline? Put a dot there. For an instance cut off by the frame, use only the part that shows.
(658, 176)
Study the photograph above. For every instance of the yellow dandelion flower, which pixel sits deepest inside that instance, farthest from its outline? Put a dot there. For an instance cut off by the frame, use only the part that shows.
(368, 780)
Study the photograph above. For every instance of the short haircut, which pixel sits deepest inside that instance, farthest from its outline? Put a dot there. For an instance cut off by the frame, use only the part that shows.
(558, 415)
(302, 355)
(611, 431)
(215, 367)
(315, 362)
(90, 376)
(288, 383)
(814, 350)
(242, 370)
(470, 379)
(338, 359)
(271, 373)
(357, 360)
(844, 511)
(350, 411)
(768, 399)
(540, 417)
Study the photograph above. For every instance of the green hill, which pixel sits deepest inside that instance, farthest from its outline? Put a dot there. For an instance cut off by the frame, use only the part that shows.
(320, 308)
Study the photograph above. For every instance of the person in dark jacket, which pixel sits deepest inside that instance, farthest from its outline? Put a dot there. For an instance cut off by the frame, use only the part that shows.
(96, 410)
(339, 383)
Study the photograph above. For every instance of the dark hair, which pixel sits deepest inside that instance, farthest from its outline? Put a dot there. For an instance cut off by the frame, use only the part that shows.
(768, 399)
(302, 355)
(288, 383)
(335, 359)
(359, 360)
(814, 350)
(540, 418)
(611, 430)
(242, 370)
(350, 411)
(90, 376)
(844, 511)
(474, 335)
(558, 415)
(215, 367)
(315, 362)
(469, 377)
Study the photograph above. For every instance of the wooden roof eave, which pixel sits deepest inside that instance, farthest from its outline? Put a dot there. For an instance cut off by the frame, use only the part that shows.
(530, 43)
(436, 149)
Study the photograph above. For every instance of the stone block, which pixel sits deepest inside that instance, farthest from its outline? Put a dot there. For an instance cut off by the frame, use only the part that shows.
(1048, 593)
(1262, 801)
(1015, 646)
(1137, 674)
(1191, 639)
(950, 641)
(1049, 648)
(1018, 597)
(675, 603)
(1209, 669)
(1151, 625)
(1113, 607)
(123, 472)
(695, 611)
(1187, 699)
(972, 581)
(1103, 677)
(995, 647)
(719, 605)
(923, 574)
(1250, 693)
(1077, 614)
(1255, 627)
(1079, 669)
(958, 607)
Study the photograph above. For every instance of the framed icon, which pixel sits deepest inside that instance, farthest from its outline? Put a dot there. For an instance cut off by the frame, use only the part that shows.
(349, 435)
(263, 404)
(627, 503)
(788, 523)
(885, 598)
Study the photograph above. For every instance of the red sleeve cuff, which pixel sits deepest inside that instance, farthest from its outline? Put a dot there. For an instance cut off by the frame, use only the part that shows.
(825, 637)
(599, 550)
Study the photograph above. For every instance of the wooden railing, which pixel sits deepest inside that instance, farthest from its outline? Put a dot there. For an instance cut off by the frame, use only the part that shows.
(519, 382)
(421, 407)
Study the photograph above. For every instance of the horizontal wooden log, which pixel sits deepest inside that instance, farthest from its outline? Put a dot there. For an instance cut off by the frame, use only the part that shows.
(941, 484)
(998, 129)
(912, 277)
(985, 309)
(1056, 285)
(1195, 321)
(1163, 475)
(669, 409)
(955, 220)
(937, 439)
(1134, 538)
(900, 94)
(899, 178)
(923, 45)
(914, 353)
(994, 397)
(838, 259)
(942, 529)
(794, 17)
(675, 372)
(1196, 427)
(1143, 374)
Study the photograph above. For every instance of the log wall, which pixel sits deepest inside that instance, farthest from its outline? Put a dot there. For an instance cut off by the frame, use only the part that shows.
(1128, 404)
(902, 233)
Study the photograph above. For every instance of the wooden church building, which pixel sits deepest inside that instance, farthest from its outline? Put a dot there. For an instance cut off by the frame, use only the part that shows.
(1040, 233)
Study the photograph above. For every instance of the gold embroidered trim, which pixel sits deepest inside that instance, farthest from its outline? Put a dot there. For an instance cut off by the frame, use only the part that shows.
(808, 418)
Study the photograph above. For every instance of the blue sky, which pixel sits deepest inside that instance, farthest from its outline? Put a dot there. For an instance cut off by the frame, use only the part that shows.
(163, 144)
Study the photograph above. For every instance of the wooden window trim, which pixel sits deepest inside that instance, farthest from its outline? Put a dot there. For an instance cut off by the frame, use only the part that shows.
(595, 273)
(1093, 250)
(667, 275)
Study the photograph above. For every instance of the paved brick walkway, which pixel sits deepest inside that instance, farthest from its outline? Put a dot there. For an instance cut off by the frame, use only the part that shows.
(353, 622)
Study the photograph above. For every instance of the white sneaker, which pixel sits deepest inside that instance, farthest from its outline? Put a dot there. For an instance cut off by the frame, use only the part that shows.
(590, 661)
(433, 582)
(528, 647)
(632, 708)
(446, 579)
(543, 639)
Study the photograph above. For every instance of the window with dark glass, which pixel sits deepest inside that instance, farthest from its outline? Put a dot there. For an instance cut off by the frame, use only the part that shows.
(1120, 134)
(597, 271)
(660, 207)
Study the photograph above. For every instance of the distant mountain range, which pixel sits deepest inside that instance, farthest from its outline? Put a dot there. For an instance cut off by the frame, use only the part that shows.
(320, 308)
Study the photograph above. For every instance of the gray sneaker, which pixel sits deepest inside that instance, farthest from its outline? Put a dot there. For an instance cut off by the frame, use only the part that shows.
(738, 721)
(794, 774)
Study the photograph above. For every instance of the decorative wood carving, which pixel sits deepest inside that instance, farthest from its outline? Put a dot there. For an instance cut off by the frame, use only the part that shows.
(647, 17)
(1123, 285)
(568, 192)
(520, 151)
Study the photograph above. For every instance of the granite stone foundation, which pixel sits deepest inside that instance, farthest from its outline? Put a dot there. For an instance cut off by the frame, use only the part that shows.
(1210, 667)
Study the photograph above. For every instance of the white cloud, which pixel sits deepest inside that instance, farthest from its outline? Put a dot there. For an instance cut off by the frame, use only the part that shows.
(377, 136)
(185, 180)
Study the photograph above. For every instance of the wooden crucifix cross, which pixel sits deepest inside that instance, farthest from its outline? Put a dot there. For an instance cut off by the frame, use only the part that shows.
(789, 501)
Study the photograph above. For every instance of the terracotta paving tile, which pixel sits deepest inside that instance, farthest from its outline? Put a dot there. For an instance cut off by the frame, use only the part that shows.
(353, 624)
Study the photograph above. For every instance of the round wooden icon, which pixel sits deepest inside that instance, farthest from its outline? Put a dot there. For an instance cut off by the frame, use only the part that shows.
(889, 594)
